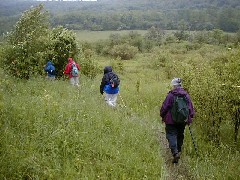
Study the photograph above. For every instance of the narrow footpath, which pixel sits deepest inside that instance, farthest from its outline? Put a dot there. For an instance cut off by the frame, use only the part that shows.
(174, 171)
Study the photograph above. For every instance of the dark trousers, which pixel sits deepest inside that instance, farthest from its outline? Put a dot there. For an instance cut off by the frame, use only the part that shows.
(175, 136)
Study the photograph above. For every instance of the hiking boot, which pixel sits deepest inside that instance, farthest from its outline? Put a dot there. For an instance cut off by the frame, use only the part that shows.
(176, 157)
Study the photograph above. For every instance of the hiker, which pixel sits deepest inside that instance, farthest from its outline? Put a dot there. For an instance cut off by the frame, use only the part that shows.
(72, 69)
(175, 130)
(50, 69)
(110, 85)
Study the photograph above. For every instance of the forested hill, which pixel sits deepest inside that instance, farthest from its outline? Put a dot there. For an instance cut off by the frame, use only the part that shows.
(131, 14)
(178, 4)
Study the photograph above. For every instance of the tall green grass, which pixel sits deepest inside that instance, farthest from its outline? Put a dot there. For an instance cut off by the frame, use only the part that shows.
(51, 130)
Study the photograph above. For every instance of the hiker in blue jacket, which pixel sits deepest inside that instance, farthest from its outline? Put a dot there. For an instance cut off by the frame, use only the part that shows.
(108, 87)
(50, 69)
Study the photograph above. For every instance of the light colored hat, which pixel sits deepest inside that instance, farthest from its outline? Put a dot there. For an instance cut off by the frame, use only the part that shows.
(176, 82)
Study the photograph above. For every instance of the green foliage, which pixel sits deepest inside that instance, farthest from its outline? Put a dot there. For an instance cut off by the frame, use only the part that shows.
(124, 51)
(23, 57)
(193, 46)
(31, 44)
(117, 65)
(88, 63)
(62, 45)
(85, 140)
(154, 37)
(159, 59)
(181, 35)
(91, 140)
(1, 91)
(99, 47)
(214, 99)
(123, 15)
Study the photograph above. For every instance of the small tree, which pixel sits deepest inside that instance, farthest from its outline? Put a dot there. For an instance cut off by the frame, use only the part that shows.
(27, 44)
(155, 34)
(62, 45)
(124, 51)
(31, 44)
(89, 66)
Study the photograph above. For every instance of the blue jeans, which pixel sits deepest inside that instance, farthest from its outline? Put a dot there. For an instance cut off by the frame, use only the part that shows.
(175, 136)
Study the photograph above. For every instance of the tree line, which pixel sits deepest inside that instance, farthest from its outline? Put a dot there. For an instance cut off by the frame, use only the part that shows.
(115, 15)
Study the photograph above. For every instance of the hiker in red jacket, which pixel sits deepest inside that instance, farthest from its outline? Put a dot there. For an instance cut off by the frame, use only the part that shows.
(72, 69)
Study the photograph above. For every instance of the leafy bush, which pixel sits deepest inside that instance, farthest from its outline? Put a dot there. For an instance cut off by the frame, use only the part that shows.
(193, 46)
(99, 46)
(124, 51)
(117, 65)
(155, 35)
(159, 59)
(89, 66)
(217, 105)
(31, 44)
(27, 44)
(181, 35)
(62, 45)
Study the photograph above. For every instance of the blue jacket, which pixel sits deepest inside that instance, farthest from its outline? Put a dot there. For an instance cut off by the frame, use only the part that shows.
(105, 84)
(50, 69)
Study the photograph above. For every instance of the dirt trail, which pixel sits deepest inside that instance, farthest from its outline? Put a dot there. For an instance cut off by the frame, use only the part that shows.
(174, 171)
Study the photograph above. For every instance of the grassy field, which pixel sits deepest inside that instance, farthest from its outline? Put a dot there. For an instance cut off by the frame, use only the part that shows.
(51, 130)
(54, 131)
(93, 36)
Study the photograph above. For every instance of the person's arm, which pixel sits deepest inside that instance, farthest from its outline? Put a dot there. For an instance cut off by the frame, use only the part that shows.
(46, 68)
(103, 83)
(67, 69)
(166, 106)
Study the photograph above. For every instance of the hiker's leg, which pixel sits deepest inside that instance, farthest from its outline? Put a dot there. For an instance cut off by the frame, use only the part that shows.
(171, 135)
(114, 100)
(180, 137)
(52, 78)
(72, 81)
(111, 99)
(76, 81)
(108, 99)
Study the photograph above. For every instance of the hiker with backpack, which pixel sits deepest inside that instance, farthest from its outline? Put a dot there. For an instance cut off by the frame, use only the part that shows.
(110, 86)
(50, 69)
(72, 69)
(176, 112)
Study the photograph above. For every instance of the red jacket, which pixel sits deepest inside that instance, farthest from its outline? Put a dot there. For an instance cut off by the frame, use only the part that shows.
(68, 68)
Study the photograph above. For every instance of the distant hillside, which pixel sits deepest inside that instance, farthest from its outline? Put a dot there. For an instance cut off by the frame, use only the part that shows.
(131, 14)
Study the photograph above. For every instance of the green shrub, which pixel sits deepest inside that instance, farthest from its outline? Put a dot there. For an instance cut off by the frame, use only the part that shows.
(193, 46)
(124, 51)
(99, 46)
(88, 63)
(62, 45)
(159, 59)
(117, 65)
(24, 56)
(31, 44)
